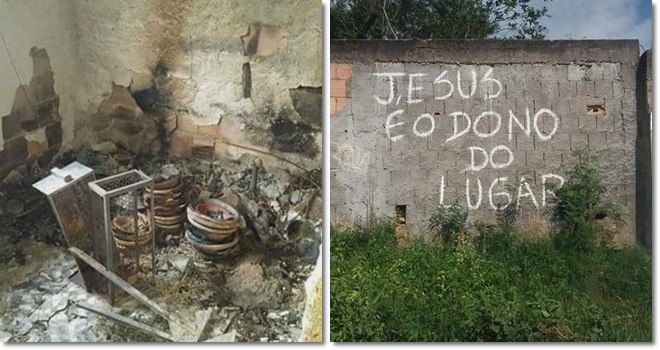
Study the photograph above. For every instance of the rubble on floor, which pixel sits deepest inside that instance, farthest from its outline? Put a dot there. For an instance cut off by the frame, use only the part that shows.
(256, 294)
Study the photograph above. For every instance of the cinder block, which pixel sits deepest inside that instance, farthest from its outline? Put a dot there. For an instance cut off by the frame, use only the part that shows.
(418, 176)
(602, 72)
(576, 72)
(605, 122)
(550, 89)
(547, 123)
(567, 89)
(436, 141)
(578, 106)
(542, 145)
(561, 141)
(428, 159)
(456, 180)
(524, 142)
(579, 141)
(534, 159)
(554, 159)
(435, 177)
(587, 123)
(586, 88)
(604, 88)
(454, 104)
(532, 89)
(435, 107)
(399, 175)
(447, 160)
(414, 110)
(569, 123)
(404, 193)
(598, 141)
(612, 106)
(616, 140)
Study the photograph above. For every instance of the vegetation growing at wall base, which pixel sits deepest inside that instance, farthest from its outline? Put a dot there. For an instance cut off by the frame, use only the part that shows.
(487, 282)
(519, 290)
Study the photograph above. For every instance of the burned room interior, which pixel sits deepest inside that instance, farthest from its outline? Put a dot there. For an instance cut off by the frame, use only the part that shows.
(160, 171)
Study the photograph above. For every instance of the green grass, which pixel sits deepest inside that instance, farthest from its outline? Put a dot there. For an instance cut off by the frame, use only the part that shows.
(513, 290)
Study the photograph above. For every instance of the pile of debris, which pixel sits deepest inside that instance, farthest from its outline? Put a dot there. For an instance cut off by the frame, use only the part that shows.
(233, 238)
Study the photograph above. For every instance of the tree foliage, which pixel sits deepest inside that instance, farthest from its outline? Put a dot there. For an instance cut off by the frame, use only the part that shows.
(436, 19)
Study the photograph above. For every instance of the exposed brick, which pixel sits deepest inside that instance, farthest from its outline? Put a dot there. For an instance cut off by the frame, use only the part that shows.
(5, 161)
(333, 106)
(344, 71)
(210, 130)
(203, 140)
(47, 157)
(203, 152)
(128, 127)
(185, 122)
(36, 149)
(333, 71)
(337, 88)
(181, 143)
(11, 126)
(54, 134)
(47, 110)
(18, 150)
(101, 122)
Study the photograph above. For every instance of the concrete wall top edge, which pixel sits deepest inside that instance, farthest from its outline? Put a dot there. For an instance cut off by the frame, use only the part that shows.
(485, 51)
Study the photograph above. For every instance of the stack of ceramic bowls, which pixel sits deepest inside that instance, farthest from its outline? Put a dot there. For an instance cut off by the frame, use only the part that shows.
(214, 227)
(168, 199)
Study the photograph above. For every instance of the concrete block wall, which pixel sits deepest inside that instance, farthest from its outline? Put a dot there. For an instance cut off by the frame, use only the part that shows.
(424, 123)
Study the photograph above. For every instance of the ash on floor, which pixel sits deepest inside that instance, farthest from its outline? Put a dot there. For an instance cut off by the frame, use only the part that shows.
(256, 295)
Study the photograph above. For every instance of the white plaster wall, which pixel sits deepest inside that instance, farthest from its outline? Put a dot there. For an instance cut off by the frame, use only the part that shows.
(121, 41)
(48, 24)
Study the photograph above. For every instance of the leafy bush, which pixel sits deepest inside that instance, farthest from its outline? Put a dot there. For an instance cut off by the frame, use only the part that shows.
(579, 204)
